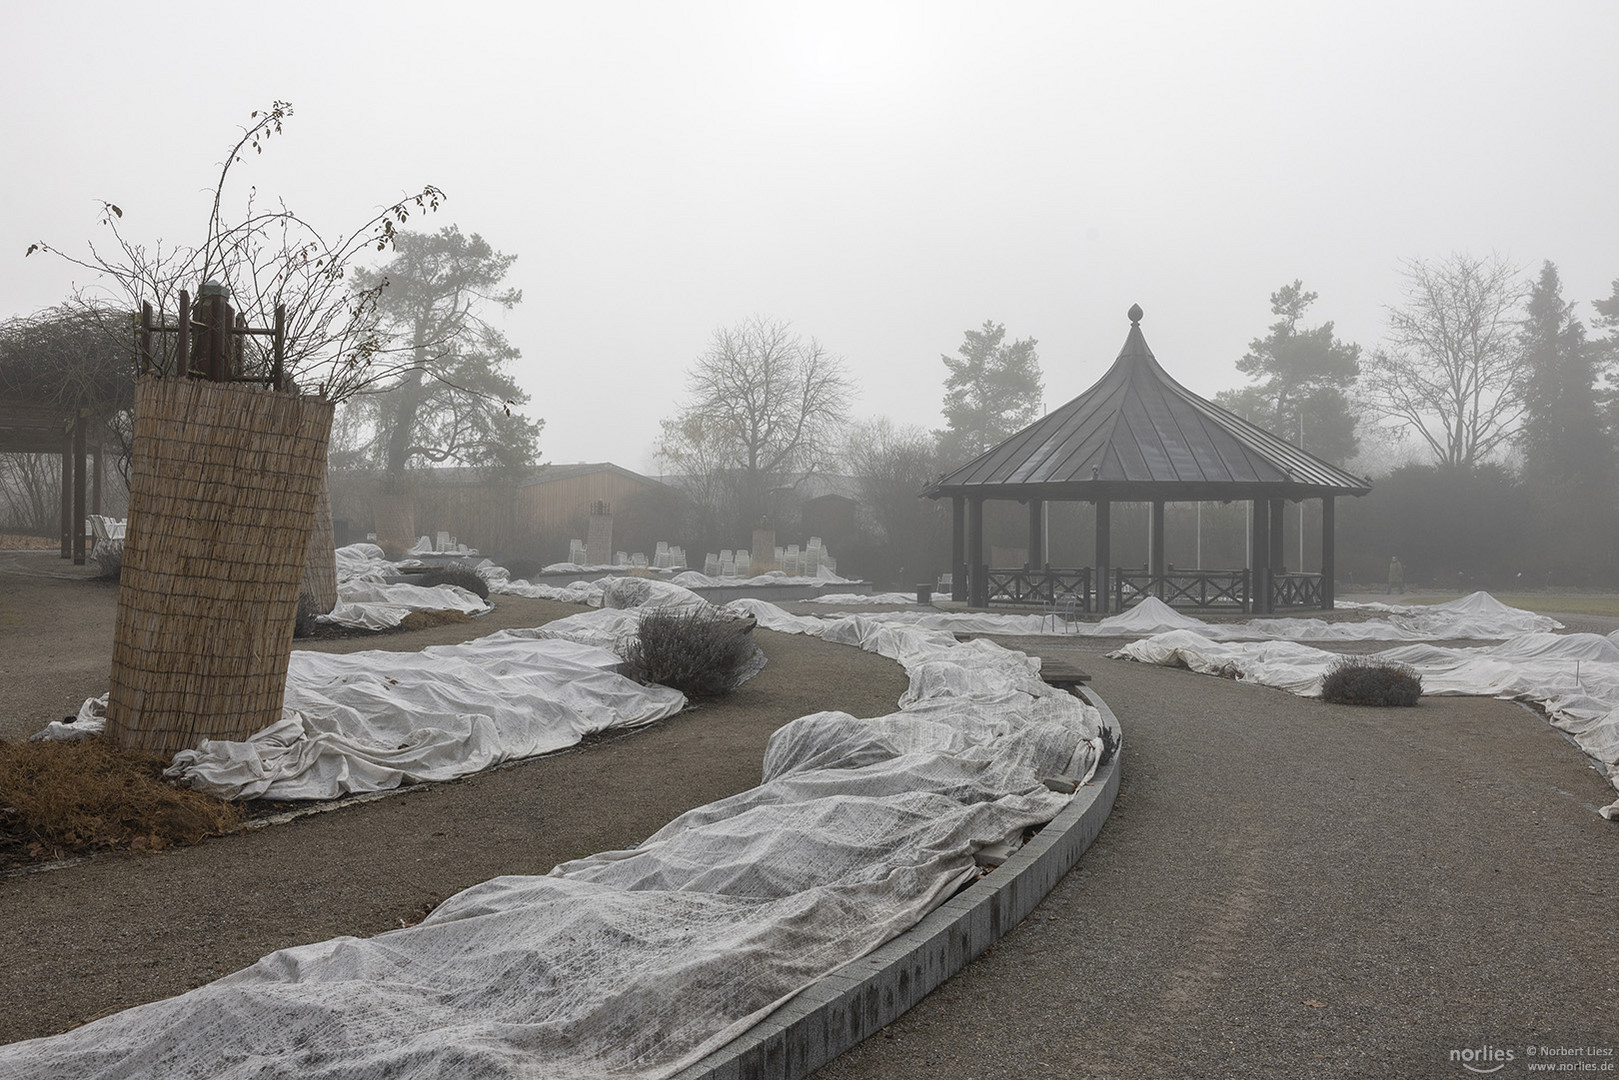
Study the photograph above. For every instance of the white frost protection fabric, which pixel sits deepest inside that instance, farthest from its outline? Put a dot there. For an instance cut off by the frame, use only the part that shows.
(1574, 677)
(635, 963)
(370, 721)
(1477, 617)
(577, 592)
(367, 600)
(863, 598)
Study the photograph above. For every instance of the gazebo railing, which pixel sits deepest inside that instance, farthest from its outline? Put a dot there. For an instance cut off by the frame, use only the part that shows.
(1183, 588)
(1295, 590)
(1044, 586)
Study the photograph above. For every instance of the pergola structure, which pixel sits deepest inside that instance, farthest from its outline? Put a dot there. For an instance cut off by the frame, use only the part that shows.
(1139, 436)
(74, 434)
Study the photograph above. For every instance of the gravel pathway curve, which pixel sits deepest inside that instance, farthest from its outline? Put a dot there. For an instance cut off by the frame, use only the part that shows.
(1293, 889)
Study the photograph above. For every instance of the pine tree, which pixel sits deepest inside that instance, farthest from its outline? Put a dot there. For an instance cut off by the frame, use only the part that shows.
(992, 391)
(1300, 380)
(1562, 436)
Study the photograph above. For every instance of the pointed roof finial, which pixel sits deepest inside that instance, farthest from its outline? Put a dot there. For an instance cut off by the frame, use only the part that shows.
(1135, 314)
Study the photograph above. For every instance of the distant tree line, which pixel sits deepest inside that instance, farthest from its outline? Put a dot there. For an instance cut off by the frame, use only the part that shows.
(1494, 408)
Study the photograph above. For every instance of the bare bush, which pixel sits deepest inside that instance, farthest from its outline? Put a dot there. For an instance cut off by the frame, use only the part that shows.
(700, 653)
(1358, 680)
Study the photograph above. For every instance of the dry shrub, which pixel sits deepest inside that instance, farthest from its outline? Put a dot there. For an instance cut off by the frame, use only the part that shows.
(424, 620)
(304, 623)
(78, 795)
(1358, 680)
(1110, 746)
(463, 576)
(700, 653)
(109, 559)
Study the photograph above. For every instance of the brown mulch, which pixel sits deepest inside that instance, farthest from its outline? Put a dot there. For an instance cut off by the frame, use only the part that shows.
(74, 797)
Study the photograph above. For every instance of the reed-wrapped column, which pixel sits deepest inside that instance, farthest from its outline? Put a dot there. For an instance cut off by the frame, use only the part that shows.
(224, 482)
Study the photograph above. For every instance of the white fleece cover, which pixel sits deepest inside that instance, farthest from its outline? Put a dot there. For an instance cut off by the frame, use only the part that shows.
(370, 721)
(366, 600)
(1574, 677)
(636, 963)
(1478, 616)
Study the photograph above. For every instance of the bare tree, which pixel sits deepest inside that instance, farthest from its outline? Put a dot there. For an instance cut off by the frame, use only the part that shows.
(1452, 370)
(893, 464)
(268, 255)
(765, 407)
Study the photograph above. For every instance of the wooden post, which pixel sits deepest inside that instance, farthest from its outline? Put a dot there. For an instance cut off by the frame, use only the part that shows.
(1155, 555)
(67, 494)
(1329, 596)
(1037, 551)
(958, 554)
(78, 489)
(1260, 578)
(182, 339)
(1104, 552)
(278, 374)
(978, 592)
(237, 347)
(1278, 553)
(147, 363)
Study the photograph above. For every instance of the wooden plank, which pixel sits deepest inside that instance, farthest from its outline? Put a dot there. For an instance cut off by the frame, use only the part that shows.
(1062, 674)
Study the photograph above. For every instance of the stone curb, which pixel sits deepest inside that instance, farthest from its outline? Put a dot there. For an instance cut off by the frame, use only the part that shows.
(858, 1000)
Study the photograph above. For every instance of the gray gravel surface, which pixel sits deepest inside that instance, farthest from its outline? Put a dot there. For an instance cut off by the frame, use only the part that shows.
(1293, 889)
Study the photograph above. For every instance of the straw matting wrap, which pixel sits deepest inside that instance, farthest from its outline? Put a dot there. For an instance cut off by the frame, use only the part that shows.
(223, 484)
(394, 515)
(319, 592)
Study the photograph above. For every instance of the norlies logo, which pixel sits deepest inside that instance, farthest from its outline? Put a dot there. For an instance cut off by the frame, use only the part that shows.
(1483, 1059)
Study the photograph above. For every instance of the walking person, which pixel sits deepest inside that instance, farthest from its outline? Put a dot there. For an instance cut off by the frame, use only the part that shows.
(1396, 576)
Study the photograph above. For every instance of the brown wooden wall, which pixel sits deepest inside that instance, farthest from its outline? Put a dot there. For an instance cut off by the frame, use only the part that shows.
(548, 515)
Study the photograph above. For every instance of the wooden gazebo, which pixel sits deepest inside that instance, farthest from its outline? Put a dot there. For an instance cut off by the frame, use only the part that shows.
(1139, 436)
(72, 433)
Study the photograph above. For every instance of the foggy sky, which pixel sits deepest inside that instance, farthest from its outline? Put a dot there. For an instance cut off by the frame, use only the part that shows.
(883, 176)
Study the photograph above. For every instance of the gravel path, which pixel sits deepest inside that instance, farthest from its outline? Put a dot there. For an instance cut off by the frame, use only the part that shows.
(1293, 889)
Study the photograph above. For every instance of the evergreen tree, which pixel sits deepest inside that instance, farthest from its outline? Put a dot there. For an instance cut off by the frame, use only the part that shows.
(1562, 434)
(1300, 380)
(992, 391)
(1606, 358)
(452, 399)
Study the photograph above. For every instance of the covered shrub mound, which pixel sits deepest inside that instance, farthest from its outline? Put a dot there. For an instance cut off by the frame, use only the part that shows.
(75, 795)
(700, 653)
(463, 576)
(1357, 680)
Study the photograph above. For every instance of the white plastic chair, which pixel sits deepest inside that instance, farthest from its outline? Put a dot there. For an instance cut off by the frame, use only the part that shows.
(1060, 614)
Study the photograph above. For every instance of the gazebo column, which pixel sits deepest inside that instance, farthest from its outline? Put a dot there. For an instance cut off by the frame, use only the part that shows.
(1037, 545)
(1104, 544)
(958, 548)
(1155, 548)
(95, 489)
(978, 595)
(1328, 562)
(1259, 573)
(1278, 553)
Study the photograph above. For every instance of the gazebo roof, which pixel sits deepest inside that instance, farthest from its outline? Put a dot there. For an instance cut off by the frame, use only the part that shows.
(1140, 435)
